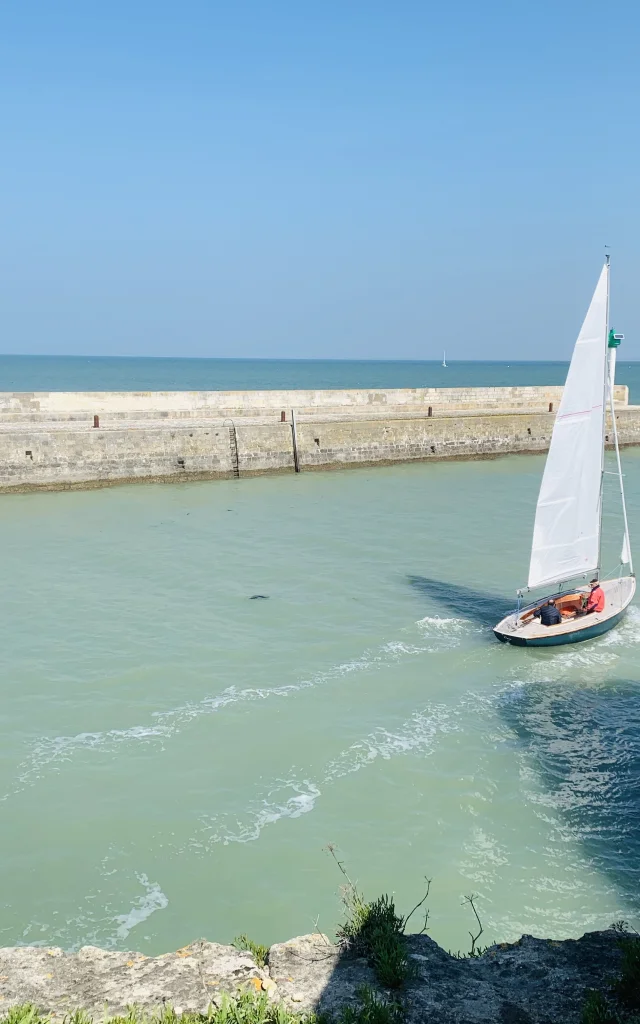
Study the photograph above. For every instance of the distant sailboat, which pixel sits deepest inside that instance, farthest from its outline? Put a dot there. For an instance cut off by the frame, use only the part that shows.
(568, 524)
(444, 358)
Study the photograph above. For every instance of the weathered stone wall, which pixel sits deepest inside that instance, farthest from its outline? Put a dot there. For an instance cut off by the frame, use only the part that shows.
(58, 458)
(135, 405)
(531, 981)
(330, 443)
(58, 453)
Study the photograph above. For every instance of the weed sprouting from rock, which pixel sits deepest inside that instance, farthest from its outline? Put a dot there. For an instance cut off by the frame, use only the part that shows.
(374, 929)
(258, 952)
(25, 1014)
(623, 993)
(475, 950)
(597, 1010)
(78, 1017)
(627, 986)
(246, 1008)
(371, 1010)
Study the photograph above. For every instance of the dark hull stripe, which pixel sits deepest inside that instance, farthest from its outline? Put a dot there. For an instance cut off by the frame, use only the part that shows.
(556, 639)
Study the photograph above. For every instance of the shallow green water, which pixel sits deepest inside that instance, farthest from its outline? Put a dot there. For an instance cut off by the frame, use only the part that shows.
(176, 756)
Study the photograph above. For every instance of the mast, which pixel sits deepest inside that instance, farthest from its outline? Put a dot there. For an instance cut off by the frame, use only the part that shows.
(604, 414)
(614, 341)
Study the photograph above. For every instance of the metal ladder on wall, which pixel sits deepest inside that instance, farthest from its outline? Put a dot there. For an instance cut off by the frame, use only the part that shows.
(233, 448)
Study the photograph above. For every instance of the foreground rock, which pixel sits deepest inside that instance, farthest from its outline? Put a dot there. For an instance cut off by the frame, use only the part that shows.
(532, 981)
(107, 983)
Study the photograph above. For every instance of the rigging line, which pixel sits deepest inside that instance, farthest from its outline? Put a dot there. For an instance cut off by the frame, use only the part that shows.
(617, 448)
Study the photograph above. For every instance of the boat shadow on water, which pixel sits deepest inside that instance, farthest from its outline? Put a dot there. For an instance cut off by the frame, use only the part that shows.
(583, 743)
(478, 605)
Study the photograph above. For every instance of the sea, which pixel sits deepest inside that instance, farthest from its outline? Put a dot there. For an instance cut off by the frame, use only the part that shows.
(110, 373)
(206, 686)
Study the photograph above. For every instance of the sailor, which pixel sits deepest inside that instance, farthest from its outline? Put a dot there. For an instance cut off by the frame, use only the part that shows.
(596, 598)
(548, 614)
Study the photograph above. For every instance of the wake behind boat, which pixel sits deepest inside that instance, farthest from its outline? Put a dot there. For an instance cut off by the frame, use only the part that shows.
(568, 525)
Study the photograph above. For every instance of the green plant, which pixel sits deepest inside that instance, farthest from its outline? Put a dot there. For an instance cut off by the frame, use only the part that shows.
(374, 929)
(135, 1015)
(251, 1008)
(627, 986)
(597, 1010)
(77, 1017)
(258, 952)
(247, 1008)
(371, 1010)
(27, 1013)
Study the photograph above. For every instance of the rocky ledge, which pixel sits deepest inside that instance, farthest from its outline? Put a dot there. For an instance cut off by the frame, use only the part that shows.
(532, 981)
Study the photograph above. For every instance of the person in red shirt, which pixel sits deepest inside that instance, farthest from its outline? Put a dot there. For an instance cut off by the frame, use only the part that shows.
(596, 598)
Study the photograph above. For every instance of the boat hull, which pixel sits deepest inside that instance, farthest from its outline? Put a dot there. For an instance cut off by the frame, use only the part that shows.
(588, 632)
(523, 630)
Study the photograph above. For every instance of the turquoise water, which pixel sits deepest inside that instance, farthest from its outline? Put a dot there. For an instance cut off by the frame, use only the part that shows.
(90, 373)
(177, 756)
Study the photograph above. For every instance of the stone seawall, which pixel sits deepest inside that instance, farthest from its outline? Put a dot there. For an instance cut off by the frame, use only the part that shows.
(63, 440)
(135, 405)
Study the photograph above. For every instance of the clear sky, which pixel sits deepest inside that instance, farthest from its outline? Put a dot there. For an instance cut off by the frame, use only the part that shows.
(344, 178)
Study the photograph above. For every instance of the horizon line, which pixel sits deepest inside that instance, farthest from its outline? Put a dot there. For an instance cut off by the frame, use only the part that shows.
(285, 359)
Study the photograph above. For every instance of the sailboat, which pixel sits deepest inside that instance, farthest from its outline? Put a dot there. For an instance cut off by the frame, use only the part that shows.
(444, 358)
(568, 523)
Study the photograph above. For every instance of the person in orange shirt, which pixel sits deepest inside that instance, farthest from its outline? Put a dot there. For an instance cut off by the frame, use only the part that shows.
(595, 602)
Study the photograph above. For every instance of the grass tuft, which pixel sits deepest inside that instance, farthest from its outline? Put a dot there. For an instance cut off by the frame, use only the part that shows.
(375, 930)
(371, 1010)
(27, 1013)
(258, 952)
(597, 1010)
(627, 986)
(247, 1008)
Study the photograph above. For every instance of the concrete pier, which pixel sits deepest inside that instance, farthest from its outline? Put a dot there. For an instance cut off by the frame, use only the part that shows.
(60, 440)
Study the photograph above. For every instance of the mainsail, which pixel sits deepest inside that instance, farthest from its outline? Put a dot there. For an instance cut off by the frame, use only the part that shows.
(566, 534)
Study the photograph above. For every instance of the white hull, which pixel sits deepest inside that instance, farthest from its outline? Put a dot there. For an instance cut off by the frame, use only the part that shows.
(524, 631)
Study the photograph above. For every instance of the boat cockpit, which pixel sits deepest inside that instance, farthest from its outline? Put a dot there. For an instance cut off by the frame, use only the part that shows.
(567, 604)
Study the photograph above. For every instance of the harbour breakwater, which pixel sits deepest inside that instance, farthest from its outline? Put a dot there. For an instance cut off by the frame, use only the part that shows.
(61, 440)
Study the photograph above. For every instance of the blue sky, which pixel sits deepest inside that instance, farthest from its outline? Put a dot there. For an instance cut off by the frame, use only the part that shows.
(338, 179)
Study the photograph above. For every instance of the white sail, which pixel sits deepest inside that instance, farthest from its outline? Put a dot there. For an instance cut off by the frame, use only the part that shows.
(625, 556)
(566, 534)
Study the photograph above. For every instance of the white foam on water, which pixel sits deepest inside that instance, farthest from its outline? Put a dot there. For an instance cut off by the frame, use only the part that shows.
(272, 808)
(627, 633)
(590, 659)
(49, 753)
(581, 663)
(153, 899)
(416, 735)
(396, 649)
(446, 625)
(95, 923)
(446, 633)
(586, 657)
